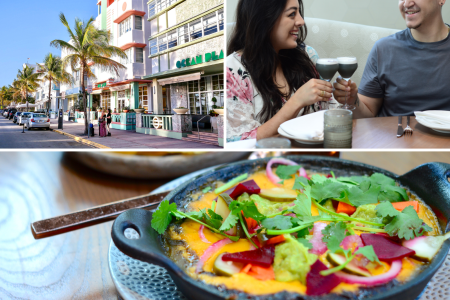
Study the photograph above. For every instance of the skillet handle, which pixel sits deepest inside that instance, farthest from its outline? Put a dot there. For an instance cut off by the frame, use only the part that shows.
(430, 182)
(145, 248)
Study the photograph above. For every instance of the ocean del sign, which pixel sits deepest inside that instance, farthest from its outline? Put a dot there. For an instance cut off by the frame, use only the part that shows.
(199, 59)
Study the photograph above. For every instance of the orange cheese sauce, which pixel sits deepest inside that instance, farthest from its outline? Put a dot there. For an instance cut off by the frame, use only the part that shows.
(248, 284)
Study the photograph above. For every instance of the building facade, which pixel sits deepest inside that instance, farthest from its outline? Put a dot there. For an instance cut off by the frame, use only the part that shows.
(186, 50)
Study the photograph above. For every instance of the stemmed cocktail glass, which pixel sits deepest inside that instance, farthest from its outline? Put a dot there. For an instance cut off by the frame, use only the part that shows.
(347, 67)
(327, 68)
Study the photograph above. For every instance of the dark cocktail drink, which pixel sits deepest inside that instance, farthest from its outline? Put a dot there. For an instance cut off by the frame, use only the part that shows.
(327, 68)
(347, 67)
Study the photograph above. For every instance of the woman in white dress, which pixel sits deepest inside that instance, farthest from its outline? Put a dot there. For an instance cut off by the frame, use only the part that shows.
(271, 74)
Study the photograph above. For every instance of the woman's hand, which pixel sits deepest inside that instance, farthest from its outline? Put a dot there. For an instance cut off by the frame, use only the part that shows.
(312, 91)
(345, 89)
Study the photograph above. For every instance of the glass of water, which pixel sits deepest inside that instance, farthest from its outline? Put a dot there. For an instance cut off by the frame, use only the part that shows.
(338, 126)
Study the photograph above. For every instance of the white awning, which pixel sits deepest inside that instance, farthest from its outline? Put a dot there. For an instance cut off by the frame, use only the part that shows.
(96, 92)
(120, 88)
(25, 106)
(182, 78)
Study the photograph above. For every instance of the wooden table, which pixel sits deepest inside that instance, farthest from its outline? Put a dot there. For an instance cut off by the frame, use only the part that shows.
(39, 185)
(373, 133)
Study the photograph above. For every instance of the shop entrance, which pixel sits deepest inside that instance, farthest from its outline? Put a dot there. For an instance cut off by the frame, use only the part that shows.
(166, 99)
(95, 102)
(121, 99)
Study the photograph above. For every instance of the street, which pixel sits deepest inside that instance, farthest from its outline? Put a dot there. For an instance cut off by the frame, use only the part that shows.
(11, 136)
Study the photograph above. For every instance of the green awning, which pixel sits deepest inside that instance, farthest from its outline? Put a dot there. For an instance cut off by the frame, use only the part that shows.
(208, 68)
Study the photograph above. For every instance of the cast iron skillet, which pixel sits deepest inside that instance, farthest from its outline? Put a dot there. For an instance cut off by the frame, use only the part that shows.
(429, 182)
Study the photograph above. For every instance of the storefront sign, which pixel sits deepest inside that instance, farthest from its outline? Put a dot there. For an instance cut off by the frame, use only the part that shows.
(199, 59)
(101, 85)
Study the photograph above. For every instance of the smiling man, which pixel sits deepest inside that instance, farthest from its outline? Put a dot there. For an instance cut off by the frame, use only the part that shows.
(408, 71)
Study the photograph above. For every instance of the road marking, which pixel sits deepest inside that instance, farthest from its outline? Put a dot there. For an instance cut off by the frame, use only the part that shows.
(81, 140)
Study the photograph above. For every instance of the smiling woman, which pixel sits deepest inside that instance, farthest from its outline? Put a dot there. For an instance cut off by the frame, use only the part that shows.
(271, 72)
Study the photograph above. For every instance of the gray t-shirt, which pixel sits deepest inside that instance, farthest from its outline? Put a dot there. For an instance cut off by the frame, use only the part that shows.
(409, 75)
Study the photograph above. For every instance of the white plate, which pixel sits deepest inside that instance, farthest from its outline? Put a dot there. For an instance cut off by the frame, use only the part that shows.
(304, 128)
(307, 142)
(434, 126)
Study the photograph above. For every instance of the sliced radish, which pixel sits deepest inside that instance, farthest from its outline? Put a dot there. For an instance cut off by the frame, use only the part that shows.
(426, 247)
(282, 161)
(319, 247)
(210, 251)
(395, 269)
(202, 236)
(352, 242)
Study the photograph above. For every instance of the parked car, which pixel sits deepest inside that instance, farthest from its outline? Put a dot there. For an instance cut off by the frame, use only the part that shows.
(37, 120)
(11, 113)
(16, 116)
(23, 118)
(6, 113)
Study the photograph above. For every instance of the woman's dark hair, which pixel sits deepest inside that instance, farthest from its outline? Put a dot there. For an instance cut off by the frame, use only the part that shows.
(109, 110)
(254, 23)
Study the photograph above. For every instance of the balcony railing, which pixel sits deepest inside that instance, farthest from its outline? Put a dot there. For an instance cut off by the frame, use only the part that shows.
(157, 121)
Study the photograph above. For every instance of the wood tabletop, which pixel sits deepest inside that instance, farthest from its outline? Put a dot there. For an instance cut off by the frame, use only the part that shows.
(381, 133)
(39, 185)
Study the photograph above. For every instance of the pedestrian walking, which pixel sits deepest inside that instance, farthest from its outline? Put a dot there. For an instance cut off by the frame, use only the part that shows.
(102, 122)
(108, 121)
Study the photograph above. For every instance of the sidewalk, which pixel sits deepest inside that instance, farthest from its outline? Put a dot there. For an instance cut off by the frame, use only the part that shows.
(123, 138)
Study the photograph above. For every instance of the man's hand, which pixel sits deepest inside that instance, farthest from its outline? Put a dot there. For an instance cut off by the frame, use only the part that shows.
(344, 89)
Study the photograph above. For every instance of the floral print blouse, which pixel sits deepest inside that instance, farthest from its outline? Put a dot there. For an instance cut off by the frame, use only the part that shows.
(243, 100)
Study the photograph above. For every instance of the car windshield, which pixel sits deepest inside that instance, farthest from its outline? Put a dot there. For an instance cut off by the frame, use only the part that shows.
(39, 116)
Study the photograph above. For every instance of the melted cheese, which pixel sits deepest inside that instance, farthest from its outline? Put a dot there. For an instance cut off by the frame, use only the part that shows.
(248, 284)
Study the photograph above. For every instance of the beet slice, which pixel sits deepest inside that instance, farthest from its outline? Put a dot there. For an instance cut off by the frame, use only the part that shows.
(385, 248)
(317, 284)
(249, 187)
(263, 256)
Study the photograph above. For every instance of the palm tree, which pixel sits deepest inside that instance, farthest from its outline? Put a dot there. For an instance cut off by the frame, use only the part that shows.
(51, 70)
(88, 47)
(5, 95)
(27, 82)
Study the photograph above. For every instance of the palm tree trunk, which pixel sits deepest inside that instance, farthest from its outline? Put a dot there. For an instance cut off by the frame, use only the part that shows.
(84, 99)
(49, 93)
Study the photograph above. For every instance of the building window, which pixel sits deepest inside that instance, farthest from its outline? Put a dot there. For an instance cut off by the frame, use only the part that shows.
(125, 26)
(172, 38)
(154, 46)
(138, 23)
(140, 55)
(106, 100)
(221, 17)
(195, 30)
(156, 6)
(143, 97)
(210, 24)
(162, 42)
(128, 59)
(198, 28)
(201, 93)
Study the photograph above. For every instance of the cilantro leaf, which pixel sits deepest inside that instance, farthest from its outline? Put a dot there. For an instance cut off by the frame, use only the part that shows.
(213, 220)
(365, 185)
(300, 182)
(405, 224)
(396, 189)
(368, 252)
(333, 235)
(302, 205)
(381, 179)
(316, 178)
(278, 222)
(162, 216)
(285, 172)
(328, 189)
(305, 243)
(357, 197)
(251, 211)
(229, 222)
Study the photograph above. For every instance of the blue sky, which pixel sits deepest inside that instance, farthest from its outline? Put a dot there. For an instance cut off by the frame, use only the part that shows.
(28, 27)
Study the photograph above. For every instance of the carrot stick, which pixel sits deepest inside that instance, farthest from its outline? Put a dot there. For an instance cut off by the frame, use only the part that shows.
(400, 206)
(345, 208)
(246, 268)
(261, 273)
(275, 240)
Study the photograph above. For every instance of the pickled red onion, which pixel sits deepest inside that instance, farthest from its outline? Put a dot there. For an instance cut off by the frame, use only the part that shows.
(202, 236)
(210, 251)
(282, 161)
(395, 269)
